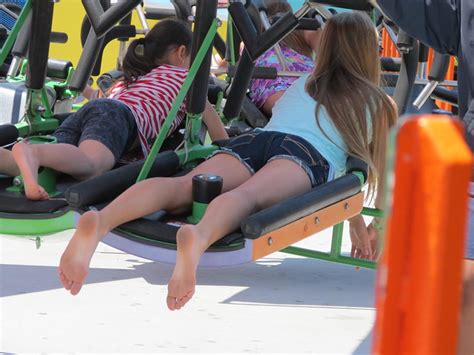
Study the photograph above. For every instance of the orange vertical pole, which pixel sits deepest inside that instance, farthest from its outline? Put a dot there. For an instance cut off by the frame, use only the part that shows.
(419, 276)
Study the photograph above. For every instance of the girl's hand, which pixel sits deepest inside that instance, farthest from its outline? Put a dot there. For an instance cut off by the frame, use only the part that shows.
(363, 238)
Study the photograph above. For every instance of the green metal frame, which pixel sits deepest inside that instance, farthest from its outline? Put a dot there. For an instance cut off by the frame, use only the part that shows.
(42, 225)
(336, 246)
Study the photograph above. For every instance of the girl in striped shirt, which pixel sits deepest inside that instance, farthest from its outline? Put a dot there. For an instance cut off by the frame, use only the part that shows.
(91, 140)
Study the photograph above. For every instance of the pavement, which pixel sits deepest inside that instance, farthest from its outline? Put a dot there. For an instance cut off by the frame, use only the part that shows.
(280, 304)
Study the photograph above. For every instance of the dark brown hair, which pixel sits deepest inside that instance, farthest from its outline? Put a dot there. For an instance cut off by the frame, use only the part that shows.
(149, 52)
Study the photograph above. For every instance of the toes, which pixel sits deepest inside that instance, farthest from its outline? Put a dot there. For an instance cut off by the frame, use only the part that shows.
(182, 301)
(63, 279)
(68, 284)
(171, 302)
(75, 288)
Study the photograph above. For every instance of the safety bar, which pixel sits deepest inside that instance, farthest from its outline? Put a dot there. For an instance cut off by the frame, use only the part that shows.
(206, 12)
(41, 23)
(256, 44)
(89, 62)
(109, 185)
(101, 21)
(408, 71)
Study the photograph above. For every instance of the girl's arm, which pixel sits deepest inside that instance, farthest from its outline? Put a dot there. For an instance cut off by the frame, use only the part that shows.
(213, 123)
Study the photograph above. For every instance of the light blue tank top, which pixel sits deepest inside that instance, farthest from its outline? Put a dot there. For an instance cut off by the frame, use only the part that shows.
(295, 113)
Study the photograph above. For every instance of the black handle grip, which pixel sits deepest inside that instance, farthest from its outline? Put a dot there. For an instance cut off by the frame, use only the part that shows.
(8, 134)
(440, 67)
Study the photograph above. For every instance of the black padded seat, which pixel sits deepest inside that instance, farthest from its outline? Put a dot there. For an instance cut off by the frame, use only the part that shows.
(18, 204)
(162, 234)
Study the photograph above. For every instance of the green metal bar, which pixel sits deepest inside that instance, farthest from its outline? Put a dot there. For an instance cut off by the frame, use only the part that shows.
(230, 37)
(37, 227)
(372, 212)
(195, 153)
(314, 254)
(179, 100)
(336, 242)
(195, 122)
(199, 209)
(8, 45)
(45, 102)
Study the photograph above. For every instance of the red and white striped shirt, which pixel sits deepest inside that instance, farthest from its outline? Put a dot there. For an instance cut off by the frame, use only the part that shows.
(150, 99)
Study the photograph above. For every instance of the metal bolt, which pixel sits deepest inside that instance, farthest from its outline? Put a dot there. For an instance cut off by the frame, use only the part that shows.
(317, 220)
(346, 206)
(270, 241)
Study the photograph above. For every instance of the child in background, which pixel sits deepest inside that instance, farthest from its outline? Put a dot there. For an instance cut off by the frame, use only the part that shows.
(298, 49)
(91, 140)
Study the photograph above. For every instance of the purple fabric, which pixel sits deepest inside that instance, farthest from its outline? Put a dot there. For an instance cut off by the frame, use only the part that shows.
(262, 89)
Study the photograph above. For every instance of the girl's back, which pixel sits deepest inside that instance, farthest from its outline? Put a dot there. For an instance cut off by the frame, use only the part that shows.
(150, 98)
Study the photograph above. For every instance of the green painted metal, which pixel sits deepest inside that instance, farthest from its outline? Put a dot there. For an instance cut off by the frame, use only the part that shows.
(314, 254)
(28, 226)
(8, 45)
(198, 212)
(208, 40)
(193, 128)
(230, 40)
(360, 176)
(372, 212)
(336, 242)
(195, 153)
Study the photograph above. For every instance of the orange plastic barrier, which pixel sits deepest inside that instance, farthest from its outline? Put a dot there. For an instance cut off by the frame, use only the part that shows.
(419, 276)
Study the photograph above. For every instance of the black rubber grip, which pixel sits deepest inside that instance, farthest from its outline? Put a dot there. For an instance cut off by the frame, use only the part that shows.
(59, 37)
(206, 187)
(8, 134)
(58, 69)
(106, 187)
(391, 64)
(440, 67)
(356, 165)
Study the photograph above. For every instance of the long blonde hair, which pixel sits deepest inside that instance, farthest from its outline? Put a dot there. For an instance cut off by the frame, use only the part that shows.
(346, 81)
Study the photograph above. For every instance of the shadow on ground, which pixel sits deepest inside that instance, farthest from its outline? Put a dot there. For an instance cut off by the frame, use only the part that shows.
(289, 281)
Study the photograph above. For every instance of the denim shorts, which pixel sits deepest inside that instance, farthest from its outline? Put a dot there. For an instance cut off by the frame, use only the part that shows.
(258, 147)
(107, 121)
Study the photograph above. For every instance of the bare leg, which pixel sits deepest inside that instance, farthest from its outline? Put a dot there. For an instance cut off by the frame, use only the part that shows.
(7, 163)
(139, 200)
(466, 340)
(89, 159)
(277, 181)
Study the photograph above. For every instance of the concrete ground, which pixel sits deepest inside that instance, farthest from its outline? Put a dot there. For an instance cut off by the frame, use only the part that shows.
(281, 304)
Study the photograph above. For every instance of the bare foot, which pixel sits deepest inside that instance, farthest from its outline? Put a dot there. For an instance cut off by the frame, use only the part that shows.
(183, 281)
(28, 164)
(74, 264)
